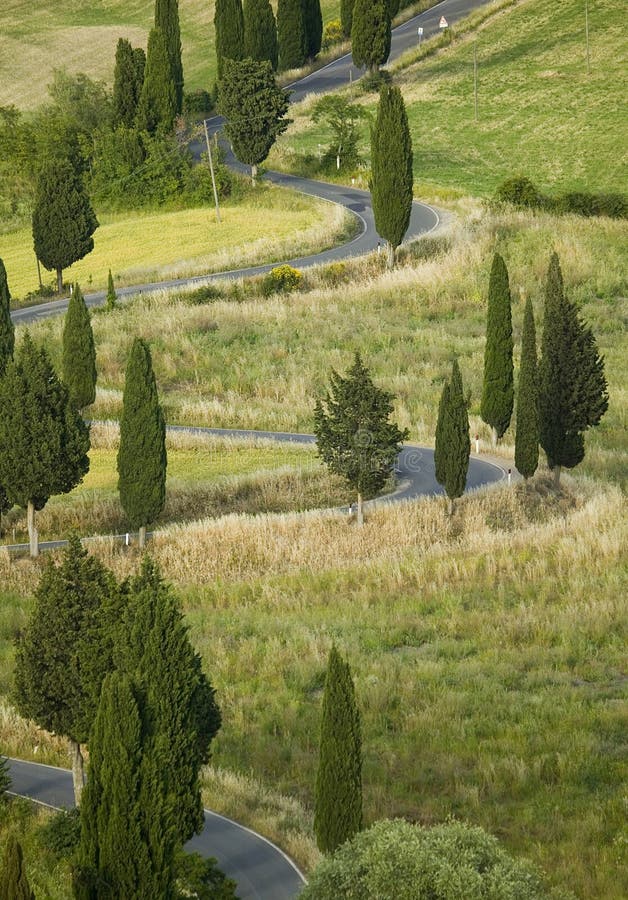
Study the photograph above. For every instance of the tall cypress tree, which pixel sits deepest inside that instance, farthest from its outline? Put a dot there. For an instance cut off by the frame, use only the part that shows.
(392, 178)
(127, 84)
(260, 32)
(313, 21)
(498, 385)
(440, 442)
(157, 105)
(393, 8)
(453, 445)
(13, 881)
(527, 433)
(370, 34)
(79, 352)
(167, 18)
(229, 28)
(43, 440)
(338, 813)
(142, 456)
(573, 393)
(181, 716)
(7, 331)
(64, 652)
(291, 34)
(346, 16)
(112, 297)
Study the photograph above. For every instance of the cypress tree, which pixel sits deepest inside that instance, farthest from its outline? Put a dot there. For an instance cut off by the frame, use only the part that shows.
(260, 32)
(167, 18)
(13, 881)
(65, 650)
(7, 331)
(313, 22)
(498, 384)
(157, 105)
(370, 34)
(63, 219)
(453, 445)
(393, 8)
(43, 440)
(291, 34)
(229, 28)
(338, 814)
(127, 84)
(573, 392)
(142, 456)
(112, 297)
(79, 352)
(5, 778)
(181, 716)
(346, 16)
(139, 61)
(527, 433)
(392, 178)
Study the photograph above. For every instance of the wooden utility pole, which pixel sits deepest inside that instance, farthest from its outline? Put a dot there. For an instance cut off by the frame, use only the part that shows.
(211, 169)
(475, 78)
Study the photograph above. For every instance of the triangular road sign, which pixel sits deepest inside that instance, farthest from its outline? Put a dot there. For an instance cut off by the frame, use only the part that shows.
(443, 22)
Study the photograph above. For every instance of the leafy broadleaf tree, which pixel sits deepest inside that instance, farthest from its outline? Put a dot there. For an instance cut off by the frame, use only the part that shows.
(498, 385)
(573, 393)
(313, 22)
(338, 815)
(254, 107)
(13, 880)
(453, 445)
(7, 331)
(353, 434)
(43, 440)
(229, 29)
(63, 219)
(157, 105)
(291, 34)
(79, 352)
(142, 458)
(342, 117)
(181, 716)
(370, 34)
(260, 32)
(167, 18)
(346, 16)
(527, 433)
(127, 84)
(65, 650)
(392, 178)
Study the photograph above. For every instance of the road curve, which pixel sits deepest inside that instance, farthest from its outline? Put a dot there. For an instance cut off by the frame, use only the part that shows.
(260, 869)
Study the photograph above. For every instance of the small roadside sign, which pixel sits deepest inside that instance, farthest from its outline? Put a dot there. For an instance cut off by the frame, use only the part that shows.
(419, 31)
(443, 22)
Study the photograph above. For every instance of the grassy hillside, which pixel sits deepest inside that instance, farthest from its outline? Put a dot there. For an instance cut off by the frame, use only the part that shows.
(539, 112)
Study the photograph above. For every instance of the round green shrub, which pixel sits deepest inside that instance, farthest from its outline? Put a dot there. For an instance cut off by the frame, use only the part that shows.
(520, 192)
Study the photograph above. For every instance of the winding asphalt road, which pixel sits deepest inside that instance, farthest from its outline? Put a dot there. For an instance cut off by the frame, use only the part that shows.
(261, 870)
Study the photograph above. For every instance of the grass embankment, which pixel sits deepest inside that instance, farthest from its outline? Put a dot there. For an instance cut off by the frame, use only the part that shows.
(141, 247)
(48, 877)
(539, 112)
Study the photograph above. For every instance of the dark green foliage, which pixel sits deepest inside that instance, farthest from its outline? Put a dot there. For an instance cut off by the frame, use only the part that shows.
(63, 219)
(139, 58)
(229, 28)
(167, 18)
(127, 839)
(527, 433)
(180, 715)
(142, 457)
(254, 107)
(260, 32)
(13, 881)
(370, 33)
(202, 879)
(573, 392)
(112, 298)
(313, 22)
(498, 384)
(291, 34)
(338, 814)
(453, 444)
(391, 169)
(61, 834)
(393, 7)
(128, 78)
(342, 117)
(157, 105)
(521, 191)
(7, 331)
(79, 352)
(5, 778)
(346, 16)
(354, 436)
(43, 440)
(64, 652)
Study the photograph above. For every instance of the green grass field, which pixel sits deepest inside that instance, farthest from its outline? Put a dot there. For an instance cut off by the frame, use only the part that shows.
(539, 112)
